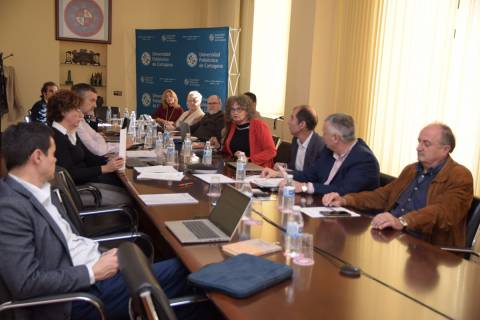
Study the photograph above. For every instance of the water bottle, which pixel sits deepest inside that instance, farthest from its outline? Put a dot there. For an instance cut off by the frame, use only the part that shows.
(159, 148)
(241, 167)
(293, 233)
(108, 116)
(187, 148)
(166, 138)
(288, 198)
(207, 154)
(171, 152)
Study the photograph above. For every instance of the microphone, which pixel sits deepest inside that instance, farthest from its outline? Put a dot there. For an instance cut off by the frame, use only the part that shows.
(275, 121)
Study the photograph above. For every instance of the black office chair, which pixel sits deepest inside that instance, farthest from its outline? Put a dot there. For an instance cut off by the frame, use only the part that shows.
(385, 179)
(12, 309)
(472, 250)
(283, 152)
(75, 191)
(148, 301)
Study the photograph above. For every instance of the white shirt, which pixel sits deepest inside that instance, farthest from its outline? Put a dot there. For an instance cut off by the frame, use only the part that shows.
(71, 134)
(83, 251)
(301, 151)
(94, 141)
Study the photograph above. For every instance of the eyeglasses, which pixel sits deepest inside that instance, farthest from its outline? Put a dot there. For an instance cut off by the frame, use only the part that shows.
(233, 110)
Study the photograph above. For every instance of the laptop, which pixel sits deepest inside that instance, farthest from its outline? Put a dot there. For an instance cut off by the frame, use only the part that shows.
(220, 226)
(250, 166)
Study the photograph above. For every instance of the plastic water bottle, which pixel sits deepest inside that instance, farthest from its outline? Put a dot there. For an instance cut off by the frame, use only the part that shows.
(166, 138)
(241, 167)
(187, 148)
(171, 152)
(159, 148)
(288, 198)
(294, 232)
(108, 116)
(207, 154)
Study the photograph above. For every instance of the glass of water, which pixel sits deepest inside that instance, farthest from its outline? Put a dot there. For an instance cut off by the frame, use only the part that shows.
(214, 190)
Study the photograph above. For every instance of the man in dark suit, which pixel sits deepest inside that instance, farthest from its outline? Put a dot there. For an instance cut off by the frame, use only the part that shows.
(306, 143)
(346, 164)
(41, 252)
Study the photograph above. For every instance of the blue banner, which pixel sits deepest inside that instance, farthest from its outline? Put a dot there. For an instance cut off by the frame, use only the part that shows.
(182, 60)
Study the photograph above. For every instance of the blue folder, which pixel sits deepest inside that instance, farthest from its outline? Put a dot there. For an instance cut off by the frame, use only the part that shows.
(241, 276)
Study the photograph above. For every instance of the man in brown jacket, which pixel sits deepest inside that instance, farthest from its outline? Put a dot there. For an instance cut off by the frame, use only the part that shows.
(430, 197)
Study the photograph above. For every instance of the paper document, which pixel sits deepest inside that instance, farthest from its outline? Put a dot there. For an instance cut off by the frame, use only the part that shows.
(208, 177)
(167, 176)
(167, 198)
(159, 169)
(328, 212)
(141, 154)
(264, 182)
(122, 148)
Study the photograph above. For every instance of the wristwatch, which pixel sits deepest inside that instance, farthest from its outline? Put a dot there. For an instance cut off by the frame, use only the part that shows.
(403, 222)
(304, 188)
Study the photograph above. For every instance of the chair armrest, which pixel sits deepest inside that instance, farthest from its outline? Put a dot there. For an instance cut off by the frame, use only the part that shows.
(131, 236)
(461, 250)
(94, 191)
(187, 300)
(129, 212)
(58, 298)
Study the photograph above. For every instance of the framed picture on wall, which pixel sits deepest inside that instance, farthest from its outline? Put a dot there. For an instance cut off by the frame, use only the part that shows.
(84, 20)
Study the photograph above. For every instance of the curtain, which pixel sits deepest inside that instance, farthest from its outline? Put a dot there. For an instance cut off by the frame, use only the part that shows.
(426, 69)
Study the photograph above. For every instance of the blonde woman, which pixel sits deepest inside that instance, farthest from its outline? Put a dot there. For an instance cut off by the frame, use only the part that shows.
(169, 110)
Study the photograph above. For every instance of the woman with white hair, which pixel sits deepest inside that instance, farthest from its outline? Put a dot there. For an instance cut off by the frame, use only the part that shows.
(194, 113)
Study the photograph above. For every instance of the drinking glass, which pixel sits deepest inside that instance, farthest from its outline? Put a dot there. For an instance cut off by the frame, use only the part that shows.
(214, 190)
(305, 258)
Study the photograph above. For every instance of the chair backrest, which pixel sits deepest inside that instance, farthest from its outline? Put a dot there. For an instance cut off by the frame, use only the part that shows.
(28, 116)
(283, 152)
(473, 222)
(147, 297)
(385, 179)
(71, 210)
(66, 180)
(276, 141)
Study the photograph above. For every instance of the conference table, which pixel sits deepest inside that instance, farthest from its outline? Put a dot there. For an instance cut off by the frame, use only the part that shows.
(402, 277)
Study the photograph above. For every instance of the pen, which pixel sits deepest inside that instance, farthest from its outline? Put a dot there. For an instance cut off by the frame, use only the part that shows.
(185, 184)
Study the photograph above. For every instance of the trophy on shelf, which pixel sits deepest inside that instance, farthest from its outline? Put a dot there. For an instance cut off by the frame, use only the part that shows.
(68, 57)
(96, 59)
(69, 81)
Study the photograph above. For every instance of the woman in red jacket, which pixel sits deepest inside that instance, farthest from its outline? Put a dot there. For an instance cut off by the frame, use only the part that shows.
(245, 133)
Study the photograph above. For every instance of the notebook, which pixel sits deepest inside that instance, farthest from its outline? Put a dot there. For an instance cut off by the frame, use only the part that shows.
(220, 225)
(250, 166)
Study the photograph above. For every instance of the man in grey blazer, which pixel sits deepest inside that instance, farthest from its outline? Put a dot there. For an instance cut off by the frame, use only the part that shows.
(41, 253)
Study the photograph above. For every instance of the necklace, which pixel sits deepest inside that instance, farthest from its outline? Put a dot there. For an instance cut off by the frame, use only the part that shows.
(171, 113)
(243, 128)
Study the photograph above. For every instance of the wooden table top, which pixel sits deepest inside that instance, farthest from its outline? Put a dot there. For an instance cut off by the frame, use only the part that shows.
(403, 276)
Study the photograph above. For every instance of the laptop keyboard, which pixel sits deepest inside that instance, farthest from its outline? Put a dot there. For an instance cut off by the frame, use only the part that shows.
(200, 230)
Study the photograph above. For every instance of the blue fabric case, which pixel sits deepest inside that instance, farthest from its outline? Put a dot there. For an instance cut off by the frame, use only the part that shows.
(241, 276)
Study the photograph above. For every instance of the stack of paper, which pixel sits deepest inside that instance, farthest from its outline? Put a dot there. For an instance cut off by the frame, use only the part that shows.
(264, 182)
(158, 169)
(141, 154)
(167, 198)
(208, 178)
(168, 176)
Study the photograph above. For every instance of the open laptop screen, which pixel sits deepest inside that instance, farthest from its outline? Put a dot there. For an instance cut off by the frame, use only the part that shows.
(229, 209)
